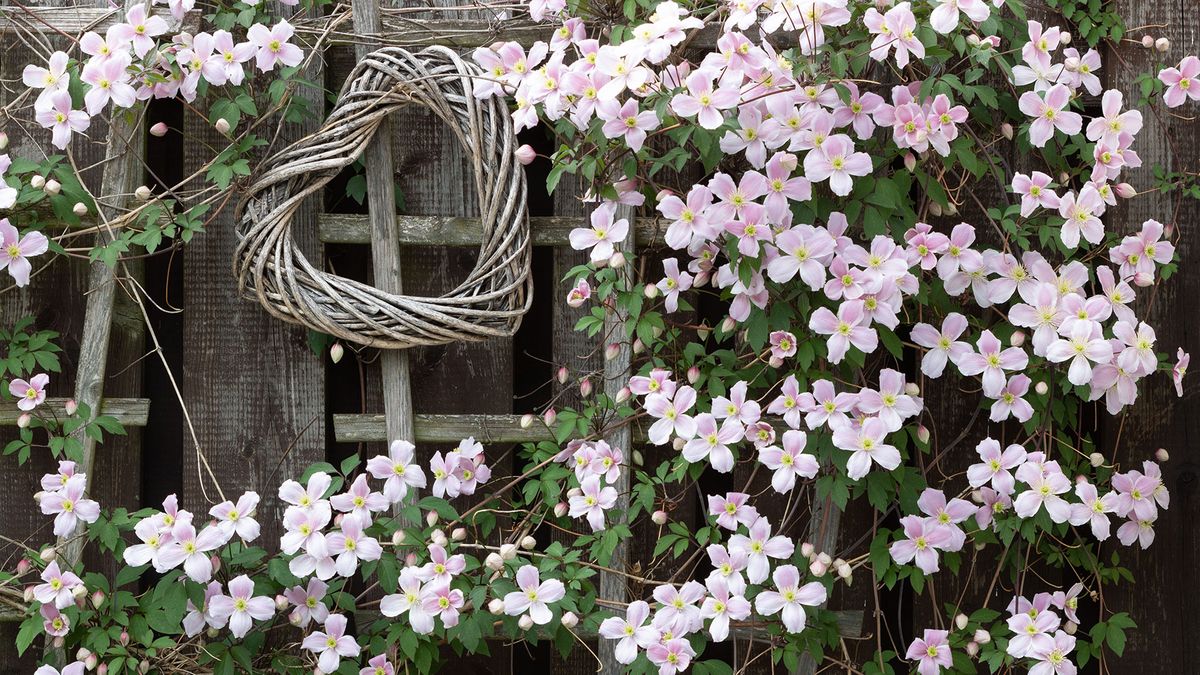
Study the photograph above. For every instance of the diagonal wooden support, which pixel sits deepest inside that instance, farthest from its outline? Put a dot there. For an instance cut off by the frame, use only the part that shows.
(616, 375)
(385, 252)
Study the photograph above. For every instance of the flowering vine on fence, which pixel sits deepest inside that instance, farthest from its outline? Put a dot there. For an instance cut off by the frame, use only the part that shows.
(806, 170)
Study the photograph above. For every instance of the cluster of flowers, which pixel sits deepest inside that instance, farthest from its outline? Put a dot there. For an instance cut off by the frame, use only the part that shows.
(128, 64)
(597, 467)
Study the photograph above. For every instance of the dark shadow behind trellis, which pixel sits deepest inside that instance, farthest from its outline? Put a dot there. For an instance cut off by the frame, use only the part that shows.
(262, 403)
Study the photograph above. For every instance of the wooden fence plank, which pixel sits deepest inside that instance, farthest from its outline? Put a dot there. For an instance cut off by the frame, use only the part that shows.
(130, 412)
(342, 228)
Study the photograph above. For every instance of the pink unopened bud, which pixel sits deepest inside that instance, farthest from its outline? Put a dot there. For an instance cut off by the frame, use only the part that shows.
(562, 375)
(528, 543)
(960, 621)
(678, 443)
(23, 565)
(910, 161)
(659, 517)
(935, 209)
(1148, 41)
(82, 654)
(281, 603)
(398, 537)
(28, 594)
(569, 620)
(496, 606)
(775, 361)
(1162, 44)
(1017, 339)
(48, 554)
(922, 434)
(90, 661)
(1125, 190)
(336, 352)
(788, 161)
(525, 622)
(3, 140)
(612, 351)
(23, 420)
(494, 562)
(216, 563)
(410, 559)
(972, 648)
(693, 374)
(585, 387)
(59, 642)
(295, 618)
(617, 261)
(728, 324)
(663, 194)
(561, 509)
(80, 209)
(143, 667)
(982, 636)
(1169, 230)
(527, 420)
(1041, 388)
(623, 395)
(124, 638)
(549, 417)
(650, 291)
(222, 126)
(1143, 279)
(1096, 459)
(102, 669)
(1064, 38)
(525, 155)
(912, 389)
(807, 550)
(159, 130)
(431, 518)
(97, 599)
(818, 568)
(1161, 455)
(458, 534)
(70, 406)
(638, 346)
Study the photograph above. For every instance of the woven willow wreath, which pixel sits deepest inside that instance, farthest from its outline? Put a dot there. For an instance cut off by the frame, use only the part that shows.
(489, 303)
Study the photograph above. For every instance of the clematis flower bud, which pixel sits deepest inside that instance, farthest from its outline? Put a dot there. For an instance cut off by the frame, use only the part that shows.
(98, 599)
(494, 562)
(982, 636)
(431, 518)
(143, 667)
(912, 389)
(295, 619)
(951, 209)
(1148, 41)
(549, 417)
(80, 209)
(910, 162)
(960, 621)
(637, 458)
(1162, 44)
(59, 642)
(222, 126)
(1064, 38)
(638, 346)
(525, 154)
(1006, 130)
(1169, 230)
(3, 140)
(525, 622)
(212, 633)
(728, 325)
(1071, 627)
(678, 444)
(611, 351)
(82, 654)
(496, 606)
(562, 375)
(37, 182)
(844, 570)
(124, 638)
(70, 406)
(90, 661)
(1063, 178)
(508, 551)
(102, 669)
(398, 537)
(1125, 190)
(623, 395)
(702, 331)
(527, 420)
(1161, 455)
(28, 594)
(159, 130)
(410, 559)
(972, 648)
(935, 209)
(48, 554)
(775, 361)
(216, 562)
(585, 387)
(1017, 338)
(807, 550)
(458, 534)
(528, 543)
(1041, 388)
(659, 517)
(1143, 279)
(23, 565)
(574, 492)
(922, 434)
(143, 193)
(825, 559)
(693, 374)
(438, 537)
(569, 620)
(23, 420)
(977, 496)
(617, 261)
(818, 568)
(336, 352)
(650, 291)
(561, 509)
(281, 603)
(53, 187)
(1096, 459)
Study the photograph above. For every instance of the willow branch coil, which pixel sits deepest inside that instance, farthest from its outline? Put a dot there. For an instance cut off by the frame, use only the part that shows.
(488, 303)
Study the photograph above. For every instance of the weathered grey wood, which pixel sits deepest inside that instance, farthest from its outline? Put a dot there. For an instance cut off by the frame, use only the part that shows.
(385, 254)
(343, 228)
(823, 531)
(122, 176)
(71, 20)
(130, 412)
(617, 369)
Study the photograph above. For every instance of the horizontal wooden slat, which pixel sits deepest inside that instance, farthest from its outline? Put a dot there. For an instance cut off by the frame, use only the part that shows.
(72, 20)
(131, 412)
(340, 228)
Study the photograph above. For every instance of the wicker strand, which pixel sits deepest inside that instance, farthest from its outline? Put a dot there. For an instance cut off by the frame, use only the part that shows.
(488, 303)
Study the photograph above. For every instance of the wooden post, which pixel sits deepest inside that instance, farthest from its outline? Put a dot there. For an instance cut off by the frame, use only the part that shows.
(385, 239)
(616, 376)
(122, 174)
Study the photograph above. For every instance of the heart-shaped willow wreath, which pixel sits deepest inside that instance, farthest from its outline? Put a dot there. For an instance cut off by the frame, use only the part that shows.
(492, 299)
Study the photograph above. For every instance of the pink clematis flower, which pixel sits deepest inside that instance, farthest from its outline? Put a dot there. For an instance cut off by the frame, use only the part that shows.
(1050, 114)
(378, 665)
(534, 596)
(944, 346)
(76, 668)
(576, 298)
(803, 250)
(241, 606)
(991, 361)
(592, 502)
(30, 393)
(398, 469)
(54, 112)
(1031, 634)
(689, 222)
(671, 657)
(1053, 660)
(69, 506)
(140, 30)
(1036, 191)
(1082, 214)
(1044, 490)
(1181, 82)
(237, 518)
(602, 235)
(360, 500)
(109, 81)
(331, 644)
(15, 251)
(273, 46)
(789, 597)
(632, 632)
(1011, 401)
(704, 101)
(944, 19)
(673, 283)
(54, 622)
(442, 567)
(732, 509)
(409, 600)
(1179, 370)
(866, 445)
(996, 467)
(191, 549)
(759, 545)
(712, 443)
(1093, 510)
(825, 406)
(722, 606)
(351, 545)
(308, 499)
(671, 414)
(848, 327)
(836, 160)
(50, 79)
(58, 586)
(443, 602)
(789, 462)
(932, 650)
(890, 404)
(626, 122)
(1084, 345)
(309, 603)
(923, 538)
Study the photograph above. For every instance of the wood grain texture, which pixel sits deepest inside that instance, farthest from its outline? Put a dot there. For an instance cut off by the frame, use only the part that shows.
(340, 228)
(1164, 599)
(251, 384)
